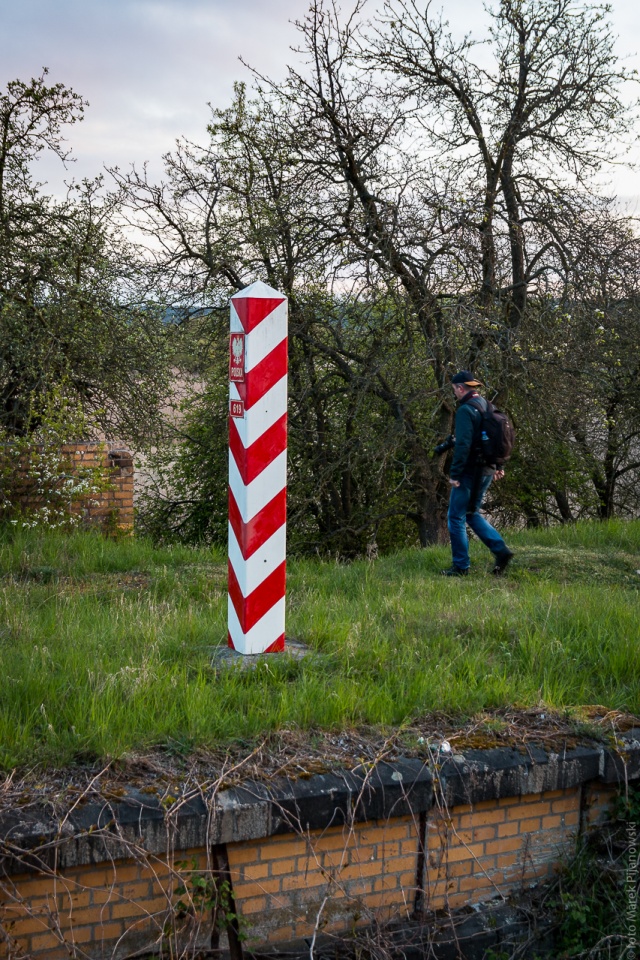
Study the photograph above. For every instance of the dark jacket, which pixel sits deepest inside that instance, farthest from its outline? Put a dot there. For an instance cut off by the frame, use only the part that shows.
(467, 431)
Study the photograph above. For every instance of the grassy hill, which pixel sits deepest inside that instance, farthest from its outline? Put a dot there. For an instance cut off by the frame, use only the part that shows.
(105, 646)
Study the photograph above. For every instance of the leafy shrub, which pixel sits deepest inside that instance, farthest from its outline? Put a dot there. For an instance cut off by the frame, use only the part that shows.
(40, 486)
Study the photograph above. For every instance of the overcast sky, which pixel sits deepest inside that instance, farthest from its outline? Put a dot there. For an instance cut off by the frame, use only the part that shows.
(149, 67)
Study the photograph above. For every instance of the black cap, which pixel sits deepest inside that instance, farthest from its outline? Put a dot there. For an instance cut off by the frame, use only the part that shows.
(466, 377)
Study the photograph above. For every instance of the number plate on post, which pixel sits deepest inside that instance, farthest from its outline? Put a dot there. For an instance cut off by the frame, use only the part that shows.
(236, 408)
(236, 358)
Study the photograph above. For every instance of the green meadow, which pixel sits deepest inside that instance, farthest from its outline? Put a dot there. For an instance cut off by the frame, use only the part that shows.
(106, 645)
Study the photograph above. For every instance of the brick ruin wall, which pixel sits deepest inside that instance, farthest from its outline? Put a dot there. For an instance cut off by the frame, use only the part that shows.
(112, 507)
(288, 886)
(108, 509)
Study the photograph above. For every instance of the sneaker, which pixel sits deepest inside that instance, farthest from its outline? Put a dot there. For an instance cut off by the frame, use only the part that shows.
(455, 572)
(502, 562)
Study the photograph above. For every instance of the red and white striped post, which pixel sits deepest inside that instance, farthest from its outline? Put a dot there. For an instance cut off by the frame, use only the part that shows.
(257, 469)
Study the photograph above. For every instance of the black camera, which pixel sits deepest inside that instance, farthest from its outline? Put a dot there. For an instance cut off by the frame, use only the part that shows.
(446, 444)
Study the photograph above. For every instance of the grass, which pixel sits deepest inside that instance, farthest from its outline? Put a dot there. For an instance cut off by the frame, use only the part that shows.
(105, 646)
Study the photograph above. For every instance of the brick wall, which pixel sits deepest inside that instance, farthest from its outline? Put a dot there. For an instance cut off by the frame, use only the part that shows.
(112, 507)
(104, 911)
(287, 885)
(109, 509)
(476, 852)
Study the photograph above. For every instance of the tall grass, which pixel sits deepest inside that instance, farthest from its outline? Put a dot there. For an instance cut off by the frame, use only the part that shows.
(106, 647)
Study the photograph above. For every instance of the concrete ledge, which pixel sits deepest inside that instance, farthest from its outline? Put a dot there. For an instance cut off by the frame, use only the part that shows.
(104, 830)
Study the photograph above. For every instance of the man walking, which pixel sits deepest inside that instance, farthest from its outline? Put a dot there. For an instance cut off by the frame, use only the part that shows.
(470, 478)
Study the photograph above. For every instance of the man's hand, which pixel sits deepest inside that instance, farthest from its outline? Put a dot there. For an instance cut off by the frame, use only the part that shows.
(498, 475)
(454, 483)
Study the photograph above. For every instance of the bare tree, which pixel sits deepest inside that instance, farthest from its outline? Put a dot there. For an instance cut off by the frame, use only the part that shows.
(425, 206)
(522, 125)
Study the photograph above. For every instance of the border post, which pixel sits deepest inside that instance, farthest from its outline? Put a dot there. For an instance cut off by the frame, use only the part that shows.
(257, 469)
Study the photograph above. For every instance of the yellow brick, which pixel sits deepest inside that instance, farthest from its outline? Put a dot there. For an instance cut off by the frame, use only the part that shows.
(136, 891)
(22, 927)
(382, 900)
(468, 883)
(409, 846)
(110, 931)
(276, 851)
(330, 841)
(484, 866)
(553, 794)
(485, 833)
(522, 811)
(397, 833)
(256, 905)
(510, 801)
(255, 871)
(330, 860)
(99, 897)
(483, 818)
(539, 808)
(156, 906)
(369, 869)
(391, 848)
(504, 845)
(74, 899)
(299, 881)
(80, 935)
(385, 883)
(565, 803)
(245, 891)
(398, 864)
(36, 888)
(459, 869)
(102, 878)
(238, 853)
(454, 854)
(279, 867)
(358, 888)
(508, 829)
(89, 915)
(483, 880)
(530, 825)
(362, 854)
(442, 888)
(47, 941)
(129, 909)
(506, 860)
(551, 822)
(463, 836)
(571, 819)
(407, 880)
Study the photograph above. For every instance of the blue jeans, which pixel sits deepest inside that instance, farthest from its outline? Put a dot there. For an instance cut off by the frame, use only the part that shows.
(463, 511)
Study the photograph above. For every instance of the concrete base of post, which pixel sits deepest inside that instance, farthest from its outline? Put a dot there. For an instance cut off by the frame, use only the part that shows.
(224, 658)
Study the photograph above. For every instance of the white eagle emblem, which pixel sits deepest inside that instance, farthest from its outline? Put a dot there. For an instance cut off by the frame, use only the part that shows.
(237, 349)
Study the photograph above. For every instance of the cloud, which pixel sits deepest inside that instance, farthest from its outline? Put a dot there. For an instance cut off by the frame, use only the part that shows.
(147, 67)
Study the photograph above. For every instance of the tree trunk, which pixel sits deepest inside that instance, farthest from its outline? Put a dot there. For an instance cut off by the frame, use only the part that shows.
(563, 505)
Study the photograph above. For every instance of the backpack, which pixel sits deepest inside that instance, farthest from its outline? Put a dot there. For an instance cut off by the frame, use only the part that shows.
(497, 435)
